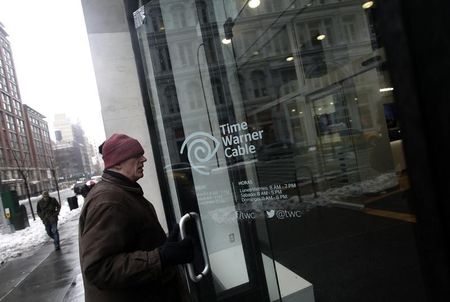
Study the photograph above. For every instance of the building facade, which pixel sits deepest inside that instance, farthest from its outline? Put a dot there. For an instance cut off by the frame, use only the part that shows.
(282, 125)
(72, 150)
(42, 159)
(25, 153)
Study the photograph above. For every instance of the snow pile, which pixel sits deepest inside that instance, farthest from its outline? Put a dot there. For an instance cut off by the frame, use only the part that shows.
(329, 197)
(367, 187)
(31, 238)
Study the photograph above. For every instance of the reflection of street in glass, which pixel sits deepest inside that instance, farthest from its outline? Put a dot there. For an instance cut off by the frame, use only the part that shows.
(293, 208)
(276, 150)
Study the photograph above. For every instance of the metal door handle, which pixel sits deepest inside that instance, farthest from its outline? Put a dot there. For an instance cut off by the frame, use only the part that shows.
(190, 266)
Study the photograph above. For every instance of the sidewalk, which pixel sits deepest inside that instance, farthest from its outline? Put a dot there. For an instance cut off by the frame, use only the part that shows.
(46, 275)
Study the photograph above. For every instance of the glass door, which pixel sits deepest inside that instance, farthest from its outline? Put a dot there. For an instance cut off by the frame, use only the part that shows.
(272, 120)
(204, 179)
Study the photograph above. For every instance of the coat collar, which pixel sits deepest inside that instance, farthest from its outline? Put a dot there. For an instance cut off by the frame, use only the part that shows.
(121, 181)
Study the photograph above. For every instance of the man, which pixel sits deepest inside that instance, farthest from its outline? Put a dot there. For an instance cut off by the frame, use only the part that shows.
(48, 210)
(124, 252)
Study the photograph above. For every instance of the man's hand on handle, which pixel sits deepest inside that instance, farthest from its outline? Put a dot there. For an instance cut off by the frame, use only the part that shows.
(175, 251)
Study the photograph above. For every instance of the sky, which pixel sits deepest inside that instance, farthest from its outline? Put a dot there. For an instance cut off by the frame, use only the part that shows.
(53, 62)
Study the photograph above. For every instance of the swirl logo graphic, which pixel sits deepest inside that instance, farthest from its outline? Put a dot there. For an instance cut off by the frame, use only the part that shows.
(199, 150)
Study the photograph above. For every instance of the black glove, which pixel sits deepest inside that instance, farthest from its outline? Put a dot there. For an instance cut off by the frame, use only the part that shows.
(174, 252)
(174, 234)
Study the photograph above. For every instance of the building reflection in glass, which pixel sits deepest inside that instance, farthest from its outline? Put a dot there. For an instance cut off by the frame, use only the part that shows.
(310, 78)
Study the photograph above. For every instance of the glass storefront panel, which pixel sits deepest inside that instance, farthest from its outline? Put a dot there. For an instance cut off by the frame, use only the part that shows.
(276, 122)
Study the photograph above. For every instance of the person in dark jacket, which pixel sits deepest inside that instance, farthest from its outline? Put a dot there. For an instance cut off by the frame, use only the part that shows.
(48, 210)
(124, 252)
(87, 187)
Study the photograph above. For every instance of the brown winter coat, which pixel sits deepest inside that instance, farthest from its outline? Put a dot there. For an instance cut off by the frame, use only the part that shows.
(48, 210)
(119, 237)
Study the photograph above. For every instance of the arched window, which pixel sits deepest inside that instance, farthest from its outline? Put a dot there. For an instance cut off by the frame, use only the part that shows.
(259, 83)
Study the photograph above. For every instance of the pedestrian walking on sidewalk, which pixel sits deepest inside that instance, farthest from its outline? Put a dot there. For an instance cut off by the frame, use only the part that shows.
(48, 210)
(124, 252)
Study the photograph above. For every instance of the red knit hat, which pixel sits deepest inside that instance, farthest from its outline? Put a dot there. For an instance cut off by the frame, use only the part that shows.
(118, 148)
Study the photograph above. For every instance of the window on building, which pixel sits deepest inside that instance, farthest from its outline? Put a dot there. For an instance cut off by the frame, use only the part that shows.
(329, 31)
(259, 83)
(171, 99)
(157, 21)
(27, 158)
(10, 74)
(6, 102)
(2, 160)
(164, 59)
(58, 135)
(280, 41)
(246, 39)
(24, 142)
(17, 108)
(21, 126)
(349, 28)
(210, 50)
(7, 55)
(14, 140)
(10, 122)
(15, 92)
(203, 14)
(218, 92)
(3, 84)
(242, 86)
(272, 6)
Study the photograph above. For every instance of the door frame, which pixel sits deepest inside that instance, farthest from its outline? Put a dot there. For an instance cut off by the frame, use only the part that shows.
(256, 288)
(414, 34)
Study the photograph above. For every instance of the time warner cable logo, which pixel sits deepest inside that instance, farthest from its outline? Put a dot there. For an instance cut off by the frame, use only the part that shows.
(199, 150)
(237, 140)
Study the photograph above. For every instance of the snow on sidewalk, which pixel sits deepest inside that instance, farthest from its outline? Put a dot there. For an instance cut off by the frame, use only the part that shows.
(33, 237)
